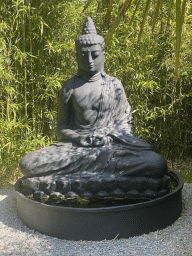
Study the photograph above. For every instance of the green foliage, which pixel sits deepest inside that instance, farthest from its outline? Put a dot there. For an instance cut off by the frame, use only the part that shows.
(37, 53)
(17, 139)
(158, 6)
(161, 106)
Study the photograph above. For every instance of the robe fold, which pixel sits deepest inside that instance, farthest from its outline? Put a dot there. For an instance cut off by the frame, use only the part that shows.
(126, 156)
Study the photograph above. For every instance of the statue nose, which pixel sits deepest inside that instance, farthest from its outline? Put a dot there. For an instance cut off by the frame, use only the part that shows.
(90, 60)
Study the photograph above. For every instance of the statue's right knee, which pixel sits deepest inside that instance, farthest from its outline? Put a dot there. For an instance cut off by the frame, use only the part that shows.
(24, 168)
(28, 163)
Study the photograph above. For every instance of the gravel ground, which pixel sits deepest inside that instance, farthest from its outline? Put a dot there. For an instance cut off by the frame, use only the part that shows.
(17, 239)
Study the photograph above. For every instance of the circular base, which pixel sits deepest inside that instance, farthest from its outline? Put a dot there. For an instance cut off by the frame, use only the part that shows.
(102, 223)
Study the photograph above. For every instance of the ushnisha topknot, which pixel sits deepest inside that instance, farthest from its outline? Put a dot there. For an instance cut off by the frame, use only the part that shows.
(89, 35)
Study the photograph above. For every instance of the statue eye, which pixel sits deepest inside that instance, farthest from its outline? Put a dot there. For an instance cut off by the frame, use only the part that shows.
(95, 55)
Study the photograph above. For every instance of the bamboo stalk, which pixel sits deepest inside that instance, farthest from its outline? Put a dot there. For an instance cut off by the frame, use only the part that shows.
(25, 68)
(161, 6)
(169, 13)
(180, 13)
(178, 27)
(182, 16)
(87, 4)
(136, 8)
(155, 16)
(144, 19)
(109, 10)
(116, 22)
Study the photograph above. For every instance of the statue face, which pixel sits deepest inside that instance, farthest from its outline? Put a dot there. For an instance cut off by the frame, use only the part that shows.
(91, 59)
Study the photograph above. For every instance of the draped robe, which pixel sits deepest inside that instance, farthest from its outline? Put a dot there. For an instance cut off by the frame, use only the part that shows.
(126, 156)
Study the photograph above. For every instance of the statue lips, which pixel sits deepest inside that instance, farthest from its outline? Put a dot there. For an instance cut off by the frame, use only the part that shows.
(90, 67)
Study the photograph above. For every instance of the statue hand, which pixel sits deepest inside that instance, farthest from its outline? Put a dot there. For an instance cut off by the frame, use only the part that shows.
(99, 141)
(94, 141)
(85, 141)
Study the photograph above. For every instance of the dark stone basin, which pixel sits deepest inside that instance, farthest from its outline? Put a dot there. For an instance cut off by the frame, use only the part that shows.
(105, 222)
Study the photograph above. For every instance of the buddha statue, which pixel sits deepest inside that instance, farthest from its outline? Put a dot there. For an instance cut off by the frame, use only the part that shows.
(98, 154)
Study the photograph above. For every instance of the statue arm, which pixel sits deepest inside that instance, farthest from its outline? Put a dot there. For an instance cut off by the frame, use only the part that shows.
(130, 120)
(64, 114)
(124, 119)
(64, 129)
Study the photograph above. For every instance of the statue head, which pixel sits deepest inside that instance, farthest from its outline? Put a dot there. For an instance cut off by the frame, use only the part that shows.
(89, 47)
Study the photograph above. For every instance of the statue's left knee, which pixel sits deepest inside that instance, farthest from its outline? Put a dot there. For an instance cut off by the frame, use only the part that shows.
(158, 164)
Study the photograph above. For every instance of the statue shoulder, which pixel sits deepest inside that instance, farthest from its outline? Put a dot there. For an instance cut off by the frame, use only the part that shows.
(68, 84)
(66, 90)
(115, 81)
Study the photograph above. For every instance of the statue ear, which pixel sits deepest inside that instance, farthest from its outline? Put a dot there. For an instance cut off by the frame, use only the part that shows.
(104, 56)
(77, 56)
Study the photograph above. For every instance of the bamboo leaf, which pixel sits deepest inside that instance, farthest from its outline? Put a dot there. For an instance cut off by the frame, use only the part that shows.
(144, 19)
(87, 5)
(155, 16)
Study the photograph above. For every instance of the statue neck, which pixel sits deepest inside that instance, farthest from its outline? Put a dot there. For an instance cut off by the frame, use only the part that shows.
(89, 77)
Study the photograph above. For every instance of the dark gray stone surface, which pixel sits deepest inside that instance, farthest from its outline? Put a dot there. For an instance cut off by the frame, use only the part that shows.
(97, 143)
(97, 187)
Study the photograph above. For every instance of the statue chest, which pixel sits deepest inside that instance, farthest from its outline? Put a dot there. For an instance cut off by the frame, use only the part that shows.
(87, 96)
